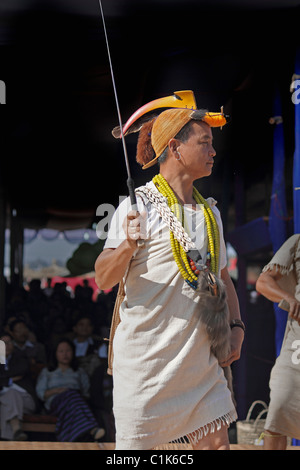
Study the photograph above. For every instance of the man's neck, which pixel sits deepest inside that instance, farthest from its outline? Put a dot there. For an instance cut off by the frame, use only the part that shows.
(20, 345)
(182, 186)
(82, 339)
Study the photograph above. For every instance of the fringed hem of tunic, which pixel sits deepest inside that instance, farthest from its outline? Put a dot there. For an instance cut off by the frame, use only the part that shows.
(194, 437)
(283, 270)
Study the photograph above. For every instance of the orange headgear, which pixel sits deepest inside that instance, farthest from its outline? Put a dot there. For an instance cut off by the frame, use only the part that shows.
(175, 111)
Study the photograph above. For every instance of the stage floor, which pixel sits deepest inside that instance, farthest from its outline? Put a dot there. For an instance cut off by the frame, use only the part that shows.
(29, 445)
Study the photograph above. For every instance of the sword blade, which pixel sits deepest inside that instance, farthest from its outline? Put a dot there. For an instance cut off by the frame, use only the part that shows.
(130, 182)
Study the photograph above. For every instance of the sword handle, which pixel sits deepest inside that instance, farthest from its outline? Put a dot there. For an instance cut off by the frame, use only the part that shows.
(132, 195)
(130, 184)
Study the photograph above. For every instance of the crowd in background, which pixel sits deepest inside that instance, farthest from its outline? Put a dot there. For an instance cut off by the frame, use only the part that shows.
(41, 323)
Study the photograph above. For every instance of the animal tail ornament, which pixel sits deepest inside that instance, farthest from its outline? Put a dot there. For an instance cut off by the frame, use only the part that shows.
(214, 315)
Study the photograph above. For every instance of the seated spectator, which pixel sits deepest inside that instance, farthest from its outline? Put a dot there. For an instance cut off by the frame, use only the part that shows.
(91, 353)
(89, 350)
(101, 400)
(64, 387)
(17, 394)
(35, 351)
(24, 316)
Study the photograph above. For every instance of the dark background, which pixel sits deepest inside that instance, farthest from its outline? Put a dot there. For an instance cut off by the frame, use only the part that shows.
(58, 154)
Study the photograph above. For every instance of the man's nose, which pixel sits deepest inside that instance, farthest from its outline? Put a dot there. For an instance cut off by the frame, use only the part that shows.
(212, 151)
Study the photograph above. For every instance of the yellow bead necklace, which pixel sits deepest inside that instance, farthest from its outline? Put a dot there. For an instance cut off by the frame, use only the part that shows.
(186, 265)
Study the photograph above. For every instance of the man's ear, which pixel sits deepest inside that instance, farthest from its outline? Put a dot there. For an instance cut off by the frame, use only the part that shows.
(173, 144)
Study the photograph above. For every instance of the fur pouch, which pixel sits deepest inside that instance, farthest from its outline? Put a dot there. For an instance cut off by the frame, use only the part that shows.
(214, 314)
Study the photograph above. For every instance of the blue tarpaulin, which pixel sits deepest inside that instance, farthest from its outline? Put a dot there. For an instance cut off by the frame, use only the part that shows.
(278, 210)
(296, 169)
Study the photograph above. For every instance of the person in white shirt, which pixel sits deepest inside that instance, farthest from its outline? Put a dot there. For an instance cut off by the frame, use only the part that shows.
(17, 394)
(168, 385)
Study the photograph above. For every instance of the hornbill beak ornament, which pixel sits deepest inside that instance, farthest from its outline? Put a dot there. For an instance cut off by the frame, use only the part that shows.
(180, 99)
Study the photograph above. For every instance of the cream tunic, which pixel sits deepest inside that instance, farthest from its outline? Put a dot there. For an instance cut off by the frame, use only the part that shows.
(284, 409)
(166, 381)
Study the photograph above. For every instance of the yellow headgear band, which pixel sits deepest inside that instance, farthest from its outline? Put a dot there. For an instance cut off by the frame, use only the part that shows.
(167, 125)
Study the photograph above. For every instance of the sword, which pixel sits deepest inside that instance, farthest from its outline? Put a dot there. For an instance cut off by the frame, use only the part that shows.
(130, 182)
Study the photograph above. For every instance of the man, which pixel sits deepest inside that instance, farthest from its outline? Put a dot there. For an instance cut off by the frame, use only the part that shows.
(280, 281)
(167, 383)
(35, 352)
(17, 394)
(89, 350)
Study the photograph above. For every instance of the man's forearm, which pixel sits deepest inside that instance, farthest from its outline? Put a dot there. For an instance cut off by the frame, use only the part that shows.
(268, 286)
(111, 265)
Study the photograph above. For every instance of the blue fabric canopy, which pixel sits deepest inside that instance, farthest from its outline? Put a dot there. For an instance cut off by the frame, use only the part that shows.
(296, 171)
(278, 210)
(73, 236)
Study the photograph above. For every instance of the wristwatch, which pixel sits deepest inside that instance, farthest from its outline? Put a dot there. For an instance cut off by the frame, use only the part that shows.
(238, 323)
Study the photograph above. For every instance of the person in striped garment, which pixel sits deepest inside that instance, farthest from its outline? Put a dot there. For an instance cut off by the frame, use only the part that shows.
(64, 387)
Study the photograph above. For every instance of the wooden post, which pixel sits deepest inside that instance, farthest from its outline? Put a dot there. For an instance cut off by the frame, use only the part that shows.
(2, 252)
(16, 249)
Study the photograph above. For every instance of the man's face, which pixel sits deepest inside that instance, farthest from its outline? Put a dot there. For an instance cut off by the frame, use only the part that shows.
(83, 328)
(197, 153)
(20, 333)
